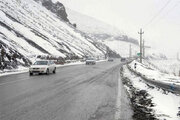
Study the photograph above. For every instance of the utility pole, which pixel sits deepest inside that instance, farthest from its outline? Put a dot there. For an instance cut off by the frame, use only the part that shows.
(177, 56)
(130, 51)
(141, 32)
(143, 49)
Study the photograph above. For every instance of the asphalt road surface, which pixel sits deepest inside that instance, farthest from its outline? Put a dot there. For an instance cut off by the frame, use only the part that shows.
(80, 92)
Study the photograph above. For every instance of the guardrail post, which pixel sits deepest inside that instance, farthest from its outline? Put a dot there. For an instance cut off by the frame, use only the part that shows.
(172, 87)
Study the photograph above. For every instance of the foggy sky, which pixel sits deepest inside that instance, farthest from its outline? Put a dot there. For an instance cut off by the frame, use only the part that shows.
(163, 33)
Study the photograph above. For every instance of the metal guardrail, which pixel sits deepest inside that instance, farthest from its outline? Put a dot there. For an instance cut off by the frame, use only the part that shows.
(166, 86)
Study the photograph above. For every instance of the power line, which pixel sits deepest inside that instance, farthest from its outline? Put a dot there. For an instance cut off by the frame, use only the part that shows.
(171, 9)
(156, 15)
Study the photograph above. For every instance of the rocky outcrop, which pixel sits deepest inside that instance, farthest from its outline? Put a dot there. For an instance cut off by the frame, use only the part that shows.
(57, 8)
(10, 58)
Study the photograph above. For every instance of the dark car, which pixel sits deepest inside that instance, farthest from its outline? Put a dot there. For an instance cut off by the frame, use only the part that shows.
(110, 59)
(123, 59)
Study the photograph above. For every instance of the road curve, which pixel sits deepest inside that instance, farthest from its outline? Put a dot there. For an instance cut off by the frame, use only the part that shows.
(80, 92)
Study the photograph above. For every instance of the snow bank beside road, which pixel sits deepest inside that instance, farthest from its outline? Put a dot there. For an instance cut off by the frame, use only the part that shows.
(153, 73)
(165, 104)
(171, 66)
(14, 71)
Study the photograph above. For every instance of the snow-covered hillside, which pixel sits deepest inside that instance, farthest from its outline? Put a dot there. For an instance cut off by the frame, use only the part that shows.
(123, 48)
(171, 66)
(104, 33)
(109, 35)
(29, 29)
(97, 29)
(91, 25)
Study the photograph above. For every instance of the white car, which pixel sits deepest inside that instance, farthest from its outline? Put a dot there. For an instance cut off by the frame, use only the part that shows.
(91, 61)
(42, 66)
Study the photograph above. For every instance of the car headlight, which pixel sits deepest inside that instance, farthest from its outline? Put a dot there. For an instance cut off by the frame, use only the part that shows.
(43, 68)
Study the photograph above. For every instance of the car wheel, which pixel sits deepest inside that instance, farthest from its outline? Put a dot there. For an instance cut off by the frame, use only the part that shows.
(30, 74)
(54, 71)
(47, 72)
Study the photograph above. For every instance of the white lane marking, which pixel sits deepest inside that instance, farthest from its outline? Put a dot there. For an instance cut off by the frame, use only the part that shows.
(118, 101)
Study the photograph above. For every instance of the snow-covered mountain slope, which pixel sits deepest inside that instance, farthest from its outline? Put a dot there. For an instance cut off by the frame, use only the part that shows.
(102, 32)
(29, 29)
(91, 25)
(123, 48)
(97, 29)
(108, 35)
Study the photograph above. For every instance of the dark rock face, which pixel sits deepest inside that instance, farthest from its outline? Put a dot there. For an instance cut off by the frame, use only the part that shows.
(10, 58)
(57, 8)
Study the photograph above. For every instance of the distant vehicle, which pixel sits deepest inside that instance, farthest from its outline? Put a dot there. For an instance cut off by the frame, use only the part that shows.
(110, 59)
(42, 66)
(83, 60)
(91, 61)
(123, 59)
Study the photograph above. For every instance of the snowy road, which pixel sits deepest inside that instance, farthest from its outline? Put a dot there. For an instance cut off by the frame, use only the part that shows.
(77, 92)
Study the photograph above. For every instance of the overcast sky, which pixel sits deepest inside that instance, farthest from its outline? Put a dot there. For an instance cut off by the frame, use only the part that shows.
(163, 32)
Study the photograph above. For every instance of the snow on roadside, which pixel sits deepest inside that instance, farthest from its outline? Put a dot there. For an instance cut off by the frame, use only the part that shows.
(38, 31)
(166, 105)
(19, 70)
(22, 69)
(171, 66)
(153, 73)
(26, 69)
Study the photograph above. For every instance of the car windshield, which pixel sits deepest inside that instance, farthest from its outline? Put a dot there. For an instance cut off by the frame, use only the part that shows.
(41, 63)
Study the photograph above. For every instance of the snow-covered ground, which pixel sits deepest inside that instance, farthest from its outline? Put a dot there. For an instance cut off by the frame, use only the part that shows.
(166, 105)
(31, 29)
(153, 73)
(108, 35)
(171, 66)
(18, 70)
